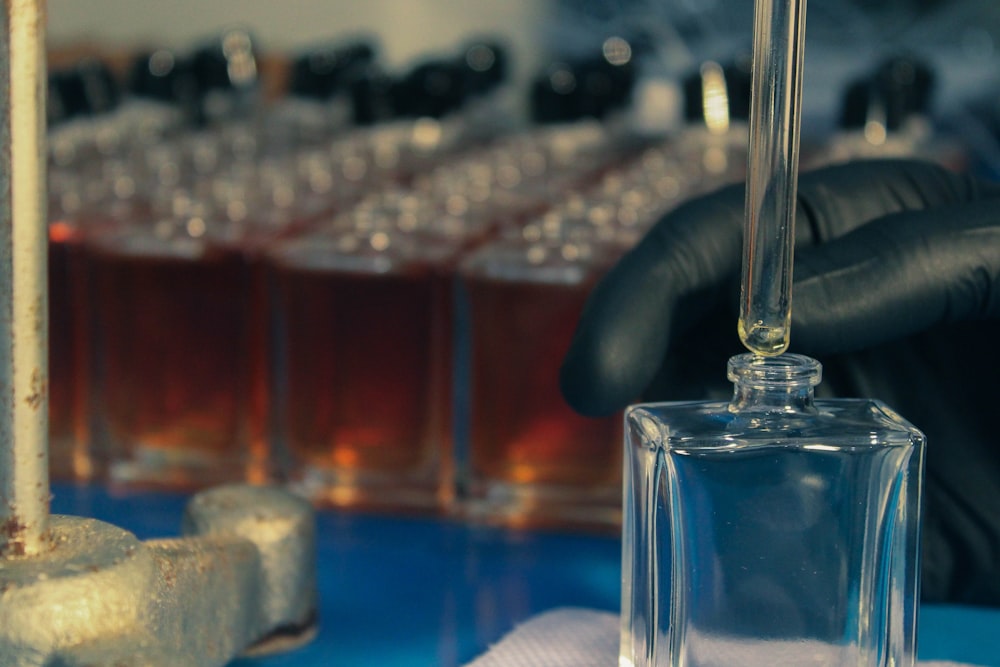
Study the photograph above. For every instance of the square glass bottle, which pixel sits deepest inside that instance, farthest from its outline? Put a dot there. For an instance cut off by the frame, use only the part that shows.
(362, 366)
(527, 459)
(174, 328)
(775, 529)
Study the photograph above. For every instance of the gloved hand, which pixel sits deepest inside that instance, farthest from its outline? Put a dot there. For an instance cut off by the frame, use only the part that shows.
(896, 291)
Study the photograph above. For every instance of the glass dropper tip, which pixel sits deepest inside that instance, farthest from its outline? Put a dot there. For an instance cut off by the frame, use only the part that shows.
(762, 339)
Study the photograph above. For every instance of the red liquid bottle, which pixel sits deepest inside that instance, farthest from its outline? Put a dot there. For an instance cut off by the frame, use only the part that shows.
(78, 208)
(174, 330)
(363, 401)
(530, 459)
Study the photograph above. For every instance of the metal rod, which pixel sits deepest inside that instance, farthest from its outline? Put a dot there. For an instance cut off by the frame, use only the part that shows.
(24, 475)
(769, 232)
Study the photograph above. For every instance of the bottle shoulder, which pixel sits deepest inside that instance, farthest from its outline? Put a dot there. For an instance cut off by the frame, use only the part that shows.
(851, 423)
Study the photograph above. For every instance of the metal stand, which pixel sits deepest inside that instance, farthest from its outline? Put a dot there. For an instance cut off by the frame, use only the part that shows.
(78, 592)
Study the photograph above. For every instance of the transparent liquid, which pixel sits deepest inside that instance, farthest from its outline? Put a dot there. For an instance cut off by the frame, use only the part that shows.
(763, 339)
(750, 550)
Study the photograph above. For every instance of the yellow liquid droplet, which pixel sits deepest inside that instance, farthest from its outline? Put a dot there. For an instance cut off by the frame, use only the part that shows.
(764, 340)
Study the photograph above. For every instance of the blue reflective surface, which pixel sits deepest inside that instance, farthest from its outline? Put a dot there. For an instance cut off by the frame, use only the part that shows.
(409, 592)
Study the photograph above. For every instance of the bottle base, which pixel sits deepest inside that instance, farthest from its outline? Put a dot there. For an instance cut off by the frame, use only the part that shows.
(369, 491)
(543, 506)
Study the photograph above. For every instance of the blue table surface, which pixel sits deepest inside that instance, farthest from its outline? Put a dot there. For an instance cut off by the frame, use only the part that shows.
(402, 592)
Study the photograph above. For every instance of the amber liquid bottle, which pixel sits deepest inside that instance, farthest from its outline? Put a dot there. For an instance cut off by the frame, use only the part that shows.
(72, 222)
(529, 459)
(363, 369)
(174, 321)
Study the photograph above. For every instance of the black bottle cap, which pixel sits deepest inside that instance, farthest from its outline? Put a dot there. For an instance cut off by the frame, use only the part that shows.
(56, 110)
(371, 94)
(432, 88)
(604, 85)
(87, 88)
(554, 95)
(100, 86)
(321, 71)
(855, 108)
(898, 88)
(161, 75)
(591, 86)
(907, 83)
(228, 62)
(484, 65)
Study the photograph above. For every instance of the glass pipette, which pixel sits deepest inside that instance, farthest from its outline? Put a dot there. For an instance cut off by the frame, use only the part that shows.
(769, 226)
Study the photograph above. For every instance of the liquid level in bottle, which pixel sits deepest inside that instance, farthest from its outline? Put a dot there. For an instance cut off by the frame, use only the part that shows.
(366, 370)
(174, 334)
(523, 437)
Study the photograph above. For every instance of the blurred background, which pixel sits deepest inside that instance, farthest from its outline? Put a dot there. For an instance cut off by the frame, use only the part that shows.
(343, 245)
(959, 36)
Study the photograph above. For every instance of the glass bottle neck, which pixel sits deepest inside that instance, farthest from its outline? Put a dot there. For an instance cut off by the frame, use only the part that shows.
(782, 383)
(790, 399)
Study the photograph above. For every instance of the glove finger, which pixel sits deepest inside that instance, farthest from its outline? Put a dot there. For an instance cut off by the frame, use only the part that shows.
(898, 276)
(688, 261)
(836, 200)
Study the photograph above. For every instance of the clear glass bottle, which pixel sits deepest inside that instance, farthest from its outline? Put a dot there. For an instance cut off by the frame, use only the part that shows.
(775, 529)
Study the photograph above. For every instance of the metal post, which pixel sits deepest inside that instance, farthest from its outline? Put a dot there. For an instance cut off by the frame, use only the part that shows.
(24, 480)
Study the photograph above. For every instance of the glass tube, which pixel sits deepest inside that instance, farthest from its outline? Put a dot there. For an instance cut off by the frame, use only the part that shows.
(766, 298)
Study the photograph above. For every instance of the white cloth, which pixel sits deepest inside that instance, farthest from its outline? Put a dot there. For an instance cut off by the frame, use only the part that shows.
(572, 637)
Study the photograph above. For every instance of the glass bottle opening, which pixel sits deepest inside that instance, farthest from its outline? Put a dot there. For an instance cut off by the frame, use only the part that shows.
(785, 370)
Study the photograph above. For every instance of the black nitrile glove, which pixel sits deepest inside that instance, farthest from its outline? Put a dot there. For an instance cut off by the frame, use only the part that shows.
(896, 292)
